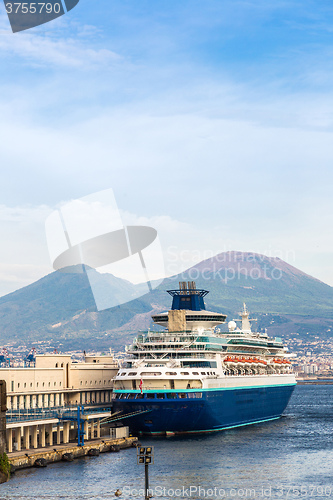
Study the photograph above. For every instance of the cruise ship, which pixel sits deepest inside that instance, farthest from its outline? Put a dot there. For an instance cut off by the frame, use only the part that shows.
(192, 377)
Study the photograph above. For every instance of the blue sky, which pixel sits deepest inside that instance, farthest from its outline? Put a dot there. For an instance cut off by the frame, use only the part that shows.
(210, 120)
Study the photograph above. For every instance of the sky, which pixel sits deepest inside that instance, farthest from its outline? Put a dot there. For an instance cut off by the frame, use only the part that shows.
(211, 121)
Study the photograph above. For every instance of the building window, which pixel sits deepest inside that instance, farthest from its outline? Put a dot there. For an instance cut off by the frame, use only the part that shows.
(55, 383)
(25, 384)
(37, 384)
(30, 384)
(56, 365)
(60, 384)
(18, 385)
(49, 384)
(12, 384)
(80, 382)
(86, 382)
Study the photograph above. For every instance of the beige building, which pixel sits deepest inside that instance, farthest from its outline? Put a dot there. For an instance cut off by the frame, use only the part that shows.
(56, 380)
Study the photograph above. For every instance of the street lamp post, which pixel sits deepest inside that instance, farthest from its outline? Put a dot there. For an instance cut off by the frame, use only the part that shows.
(145, 455)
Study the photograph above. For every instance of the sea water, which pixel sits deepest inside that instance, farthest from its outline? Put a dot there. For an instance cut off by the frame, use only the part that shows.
(287, 458)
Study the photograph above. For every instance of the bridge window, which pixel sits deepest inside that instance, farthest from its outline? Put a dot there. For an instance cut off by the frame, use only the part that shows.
(149, 374)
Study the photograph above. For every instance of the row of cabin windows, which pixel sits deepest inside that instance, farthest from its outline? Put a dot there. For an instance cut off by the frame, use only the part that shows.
(159, 395)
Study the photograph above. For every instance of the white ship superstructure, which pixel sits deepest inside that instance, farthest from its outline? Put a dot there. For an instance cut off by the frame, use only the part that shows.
(193, 360)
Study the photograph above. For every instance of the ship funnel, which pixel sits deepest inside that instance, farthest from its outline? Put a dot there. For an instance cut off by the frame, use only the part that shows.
(186, 287)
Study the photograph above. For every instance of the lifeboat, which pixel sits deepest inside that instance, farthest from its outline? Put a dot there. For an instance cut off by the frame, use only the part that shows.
(262, 362)
(230, 360)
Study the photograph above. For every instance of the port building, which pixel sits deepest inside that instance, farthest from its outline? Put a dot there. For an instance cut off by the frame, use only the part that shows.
(54, 383)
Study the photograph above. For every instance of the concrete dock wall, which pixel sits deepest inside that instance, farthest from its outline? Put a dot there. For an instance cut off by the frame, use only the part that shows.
(24, 460)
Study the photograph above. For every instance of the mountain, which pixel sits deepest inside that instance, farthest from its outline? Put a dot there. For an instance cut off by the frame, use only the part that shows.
(60, 307)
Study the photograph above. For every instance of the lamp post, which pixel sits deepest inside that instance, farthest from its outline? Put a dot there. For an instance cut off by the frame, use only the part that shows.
(145, 455)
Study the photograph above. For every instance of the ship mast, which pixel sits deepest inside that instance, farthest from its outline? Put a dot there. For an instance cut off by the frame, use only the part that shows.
(246, 321)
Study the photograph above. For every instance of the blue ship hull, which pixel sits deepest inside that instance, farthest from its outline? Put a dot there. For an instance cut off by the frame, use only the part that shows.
(200, 411)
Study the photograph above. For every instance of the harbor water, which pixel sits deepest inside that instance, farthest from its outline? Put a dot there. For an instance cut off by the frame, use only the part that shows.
(287, 458)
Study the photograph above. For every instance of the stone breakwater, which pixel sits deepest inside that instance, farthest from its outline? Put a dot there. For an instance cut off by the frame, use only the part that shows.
(23, 460)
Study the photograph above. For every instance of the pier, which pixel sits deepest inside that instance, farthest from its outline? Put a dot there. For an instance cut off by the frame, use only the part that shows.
(39, 428)
(22, 459)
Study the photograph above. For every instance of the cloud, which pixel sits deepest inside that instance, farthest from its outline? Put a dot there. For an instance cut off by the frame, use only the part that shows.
(43, 51)
(212, 122)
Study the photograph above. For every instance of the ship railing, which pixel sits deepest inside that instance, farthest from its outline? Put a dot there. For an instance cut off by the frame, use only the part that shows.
(153, 388)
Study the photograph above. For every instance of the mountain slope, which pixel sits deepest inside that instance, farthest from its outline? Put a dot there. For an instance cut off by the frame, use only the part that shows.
(60, 307)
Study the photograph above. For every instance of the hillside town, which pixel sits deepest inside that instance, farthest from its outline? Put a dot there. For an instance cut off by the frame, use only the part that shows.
(310, 358)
